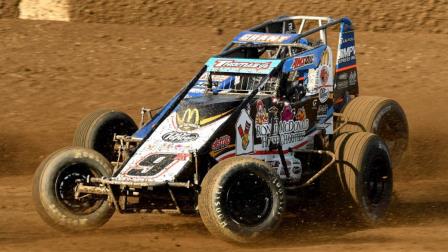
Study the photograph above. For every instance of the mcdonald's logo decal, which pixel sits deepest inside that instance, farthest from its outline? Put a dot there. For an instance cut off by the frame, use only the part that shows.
(190, 120)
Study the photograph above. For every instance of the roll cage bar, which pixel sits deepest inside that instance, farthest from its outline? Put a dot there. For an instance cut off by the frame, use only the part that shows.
(323, 24)
(303, 20)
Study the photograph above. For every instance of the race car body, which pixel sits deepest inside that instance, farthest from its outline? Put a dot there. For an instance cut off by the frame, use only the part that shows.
(267, 116)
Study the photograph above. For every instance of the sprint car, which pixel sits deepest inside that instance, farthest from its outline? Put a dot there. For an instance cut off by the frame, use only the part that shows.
(274, 113)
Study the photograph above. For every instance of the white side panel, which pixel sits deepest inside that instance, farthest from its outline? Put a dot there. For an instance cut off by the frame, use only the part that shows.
(168, 139)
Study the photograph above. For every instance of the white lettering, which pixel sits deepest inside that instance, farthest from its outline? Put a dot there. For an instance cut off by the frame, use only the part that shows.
(263, 38)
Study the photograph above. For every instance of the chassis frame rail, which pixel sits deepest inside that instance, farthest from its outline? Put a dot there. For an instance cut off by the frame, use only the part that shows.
(112, 181)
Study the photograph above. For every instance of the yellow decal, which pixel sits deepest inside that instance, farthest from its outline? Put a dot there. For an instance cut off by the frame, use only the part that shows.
(191, 119)
(212, 118)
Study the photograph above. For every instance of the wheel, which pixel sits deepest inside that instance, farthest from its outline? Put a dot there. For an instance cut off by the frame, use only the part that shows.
(364, 168)
(242, 200)
(381, 116)
(54, 190)
(96, 131)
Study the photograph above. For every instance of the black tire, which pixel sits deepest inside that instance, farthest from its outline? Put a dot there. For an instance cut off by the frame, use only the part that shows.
(53, 190)
(365, 172)
(242, 200)
(381, 116)
(96, 131)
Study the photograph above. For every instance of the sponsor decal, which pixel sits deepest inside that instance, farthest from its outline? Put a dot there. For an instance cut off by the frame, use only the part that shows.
(215, 77)
(241, 64)
(343, 76)
(322, 111)
(327, 126)
(346, 78)
(341, 80)
(324, 74)
(300, 114)
(286, 130)
(287, 113)
(324, 123)
(261, 117)
(352, 79)
(189, 120)
(294, 167)
(198, 90)
(244, 133)
(342, 84)
(349, 39)
(263, 38)
(302, 61)
(325, 59)
(324, 93)
(346, 54)
(179, 137)
(221, 143)
(311, 81)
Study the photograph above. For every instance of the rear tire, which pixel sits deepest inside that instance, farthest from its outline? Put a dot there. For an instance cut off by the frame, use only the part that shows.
(365, 172)
(381, 116)
(54, 186)
(96, 131)
(242, 200)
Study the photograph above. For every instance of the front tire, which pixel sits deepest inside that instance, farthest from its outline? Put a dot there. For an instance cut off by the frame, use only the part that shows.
(242, 200)
(97, 129)
(54, 188)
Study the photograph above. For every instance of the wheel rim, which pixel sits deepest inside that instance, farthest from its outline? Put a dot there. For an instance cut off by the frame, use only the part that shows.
(248, 199)
(377, 182)
(66, 181)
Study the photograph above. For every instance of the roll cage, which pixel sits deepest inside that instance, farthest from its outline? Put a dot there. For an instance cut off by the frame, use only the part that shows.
(284, 25)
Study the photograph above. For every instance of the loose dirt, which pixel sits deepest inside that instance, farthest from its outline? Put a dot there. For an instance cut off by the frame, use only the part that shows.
(53, 73)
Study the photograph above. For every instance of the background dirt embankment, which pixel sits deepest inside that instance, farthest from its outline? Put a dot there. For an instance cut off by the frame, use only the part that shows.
(429, 16)
(9, 8)
(379, 15)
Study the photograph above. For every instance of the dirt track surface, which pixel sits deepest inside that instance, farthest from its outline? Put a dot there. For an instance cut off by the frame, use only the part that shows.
(52, 73)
